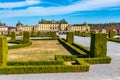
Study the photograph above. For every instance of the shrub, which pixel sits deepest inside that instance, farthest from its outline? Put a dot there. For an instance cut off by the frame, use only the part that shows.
(54, 36)
(111, 34)
(101, 60)
(33, 63)
(83, 34)
(98, 46)
(83, 48)
(13, 36)
(3, 51)
(43, 69)
(26, 37)
(20, 45)
(9, 33)
(79, 52)
(65, 57)
(113, 39)
(70, 37)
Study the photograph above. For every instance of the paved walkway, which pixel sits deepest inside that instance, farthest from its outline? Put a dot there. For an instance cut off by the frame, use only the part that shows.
(97, 72)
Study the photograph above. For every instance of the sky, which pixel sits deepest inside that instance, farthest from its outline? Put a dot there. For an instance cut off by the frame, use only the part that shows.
(30, 12)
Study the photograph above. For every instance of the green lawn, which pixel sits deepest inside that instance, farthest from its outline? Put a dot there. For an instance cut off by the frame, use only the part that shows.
(39, 50)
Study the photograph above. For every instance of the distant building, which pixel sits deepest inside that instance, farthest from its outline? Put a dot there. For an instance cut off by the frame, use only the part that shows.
(3, 28)
(45, 25)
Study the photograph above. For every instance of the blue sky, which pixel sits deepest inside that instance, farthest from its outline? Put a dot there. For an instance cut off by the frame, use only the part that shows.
(29, 12)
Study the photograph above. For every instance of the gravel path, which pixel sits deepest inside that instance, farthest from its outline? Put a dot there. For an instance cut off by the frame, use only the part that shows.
(97, 72)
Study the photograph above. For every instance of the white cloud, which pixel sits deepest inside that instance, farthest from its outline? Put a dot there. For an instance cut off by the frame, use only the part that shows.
(18, 4)
(85, 5)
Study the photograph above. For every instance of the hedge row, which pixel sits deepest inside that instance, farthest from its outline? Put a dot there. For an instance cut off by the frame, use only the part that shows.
(34, 63)
(26, 37)
(16, 41)
(3, 51)
(83, 34)
(13, 36)
(43, 69)
(113, 39)
(111, 34)
(70, 37)
(65, 57)
(83, 48)
(77, 50)
(98, 45)
(20, 45)
(101, 60)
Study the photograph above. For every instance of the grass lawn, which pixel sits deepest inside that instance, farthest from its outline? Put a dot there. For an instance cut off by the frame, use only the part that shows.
(39, 50)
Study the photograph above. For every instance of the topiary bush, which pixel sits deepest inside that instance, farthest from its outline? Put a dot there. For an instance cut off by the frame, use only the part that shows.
(111, 34)
(13, 36)
(98, 46)
(9, 33)
(3, 51)
(54, 35)
(26, 37)
(70, 37)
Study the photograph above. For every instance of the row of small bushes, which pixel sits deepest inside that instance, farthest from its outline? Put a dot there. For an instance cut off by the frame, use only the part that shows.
(83, 48)
(16, 41)
(43, 69)
(113, 39)
(65, 57)
(34, 63)
(83, 34)
(77, 50)
(99, 60)
(20, 45)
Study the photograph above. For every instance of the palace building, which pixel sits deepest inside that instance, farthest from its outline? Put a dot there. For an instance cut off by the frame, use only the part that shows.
(52, 25)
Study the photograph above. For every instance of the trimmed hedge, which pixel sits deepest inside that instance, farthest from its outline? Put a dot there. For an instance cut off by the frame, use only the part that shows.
(42, 69)
(65, 57)
(26, 37)
(83, 34)
(9, 33)
(113, 39)
(79, 52)
(98, 46)
(70, 37)
(3, 51)
(83, 48)
(34, 63)
(101, 60)
(13, 36)
(54, 35)
(111, 34)
(20, 45)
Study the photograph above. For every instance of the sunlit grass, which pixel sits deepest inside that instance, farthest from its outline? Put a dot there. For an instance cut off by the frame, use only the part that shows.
(39, 50)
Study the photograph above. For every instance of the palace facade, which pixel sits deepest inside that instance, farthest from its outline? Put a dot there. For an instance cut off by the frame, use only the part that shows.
(45, 25)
